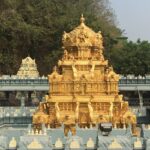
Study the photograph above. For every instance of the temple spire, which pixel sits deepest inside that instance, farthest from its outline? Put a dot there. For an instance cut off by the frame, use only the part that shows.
(86, 89)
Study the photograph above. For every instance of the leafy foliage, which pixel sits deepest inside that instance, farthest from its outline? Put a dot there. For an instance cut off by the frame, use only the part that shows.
(35, 27)
(132, 58)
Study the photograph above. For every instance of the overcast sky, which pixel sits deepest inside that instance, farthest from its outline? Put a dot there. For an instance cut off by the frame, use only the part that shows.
(134, 17)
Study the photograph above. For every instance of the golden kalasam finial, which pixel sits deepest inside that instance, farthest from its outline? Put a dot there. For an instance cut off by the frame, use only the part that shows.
(55, 69)
(82, 19)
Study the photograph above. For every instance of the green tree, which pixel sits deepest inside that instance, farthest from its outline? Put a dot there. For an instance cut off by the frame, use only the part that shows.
(132, 58)
(35, 27)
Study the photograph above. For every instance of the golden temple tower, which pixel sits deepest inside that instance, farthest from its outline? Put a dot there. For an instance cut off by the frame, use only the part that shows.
(84, 89)
(28, 68)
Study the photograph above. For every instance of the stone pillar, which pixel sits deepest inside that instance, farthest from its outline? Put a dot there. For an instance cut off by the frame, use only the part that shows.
(7, 96)
(22, 101)
(140, 101)
(7, 93)
(29, 97)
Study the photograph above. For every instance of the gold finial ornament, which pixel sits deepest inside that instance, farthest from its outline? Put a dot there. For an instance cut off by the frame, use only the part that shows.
(55, 69)
(86, 92)
(82, 19)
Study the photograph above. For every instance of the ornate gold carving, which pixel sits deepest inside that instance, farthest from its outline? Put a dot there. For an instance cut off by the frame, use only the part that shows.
(55, 76)
(40, 116)
(86, 92)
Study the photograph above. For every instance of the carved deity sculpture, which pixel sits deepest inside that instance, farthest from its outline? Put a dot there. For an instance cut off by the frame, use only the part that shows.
(40, 116)
(92, 70)
(100, 40)
(86, 90)
(111, 109)
(65, 54)
(65, 36)
(112, 76)
(90, 110)
(101, 57)
(75, 71)
(77, 112)
(57, 111)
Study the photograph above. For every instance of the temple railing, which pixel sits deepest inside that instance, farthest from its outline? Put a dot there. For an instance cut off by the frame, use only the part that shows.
(134, 81)
(5, 82)
(42, 84)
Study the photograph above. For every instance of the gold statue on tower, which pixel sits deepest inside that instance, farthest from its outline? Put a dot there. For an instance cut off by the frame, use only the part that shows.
(83, 89)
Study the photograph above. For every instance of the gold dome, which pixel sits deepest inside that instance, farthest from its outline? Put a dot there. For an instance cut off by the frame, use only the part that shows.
(83, 36)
